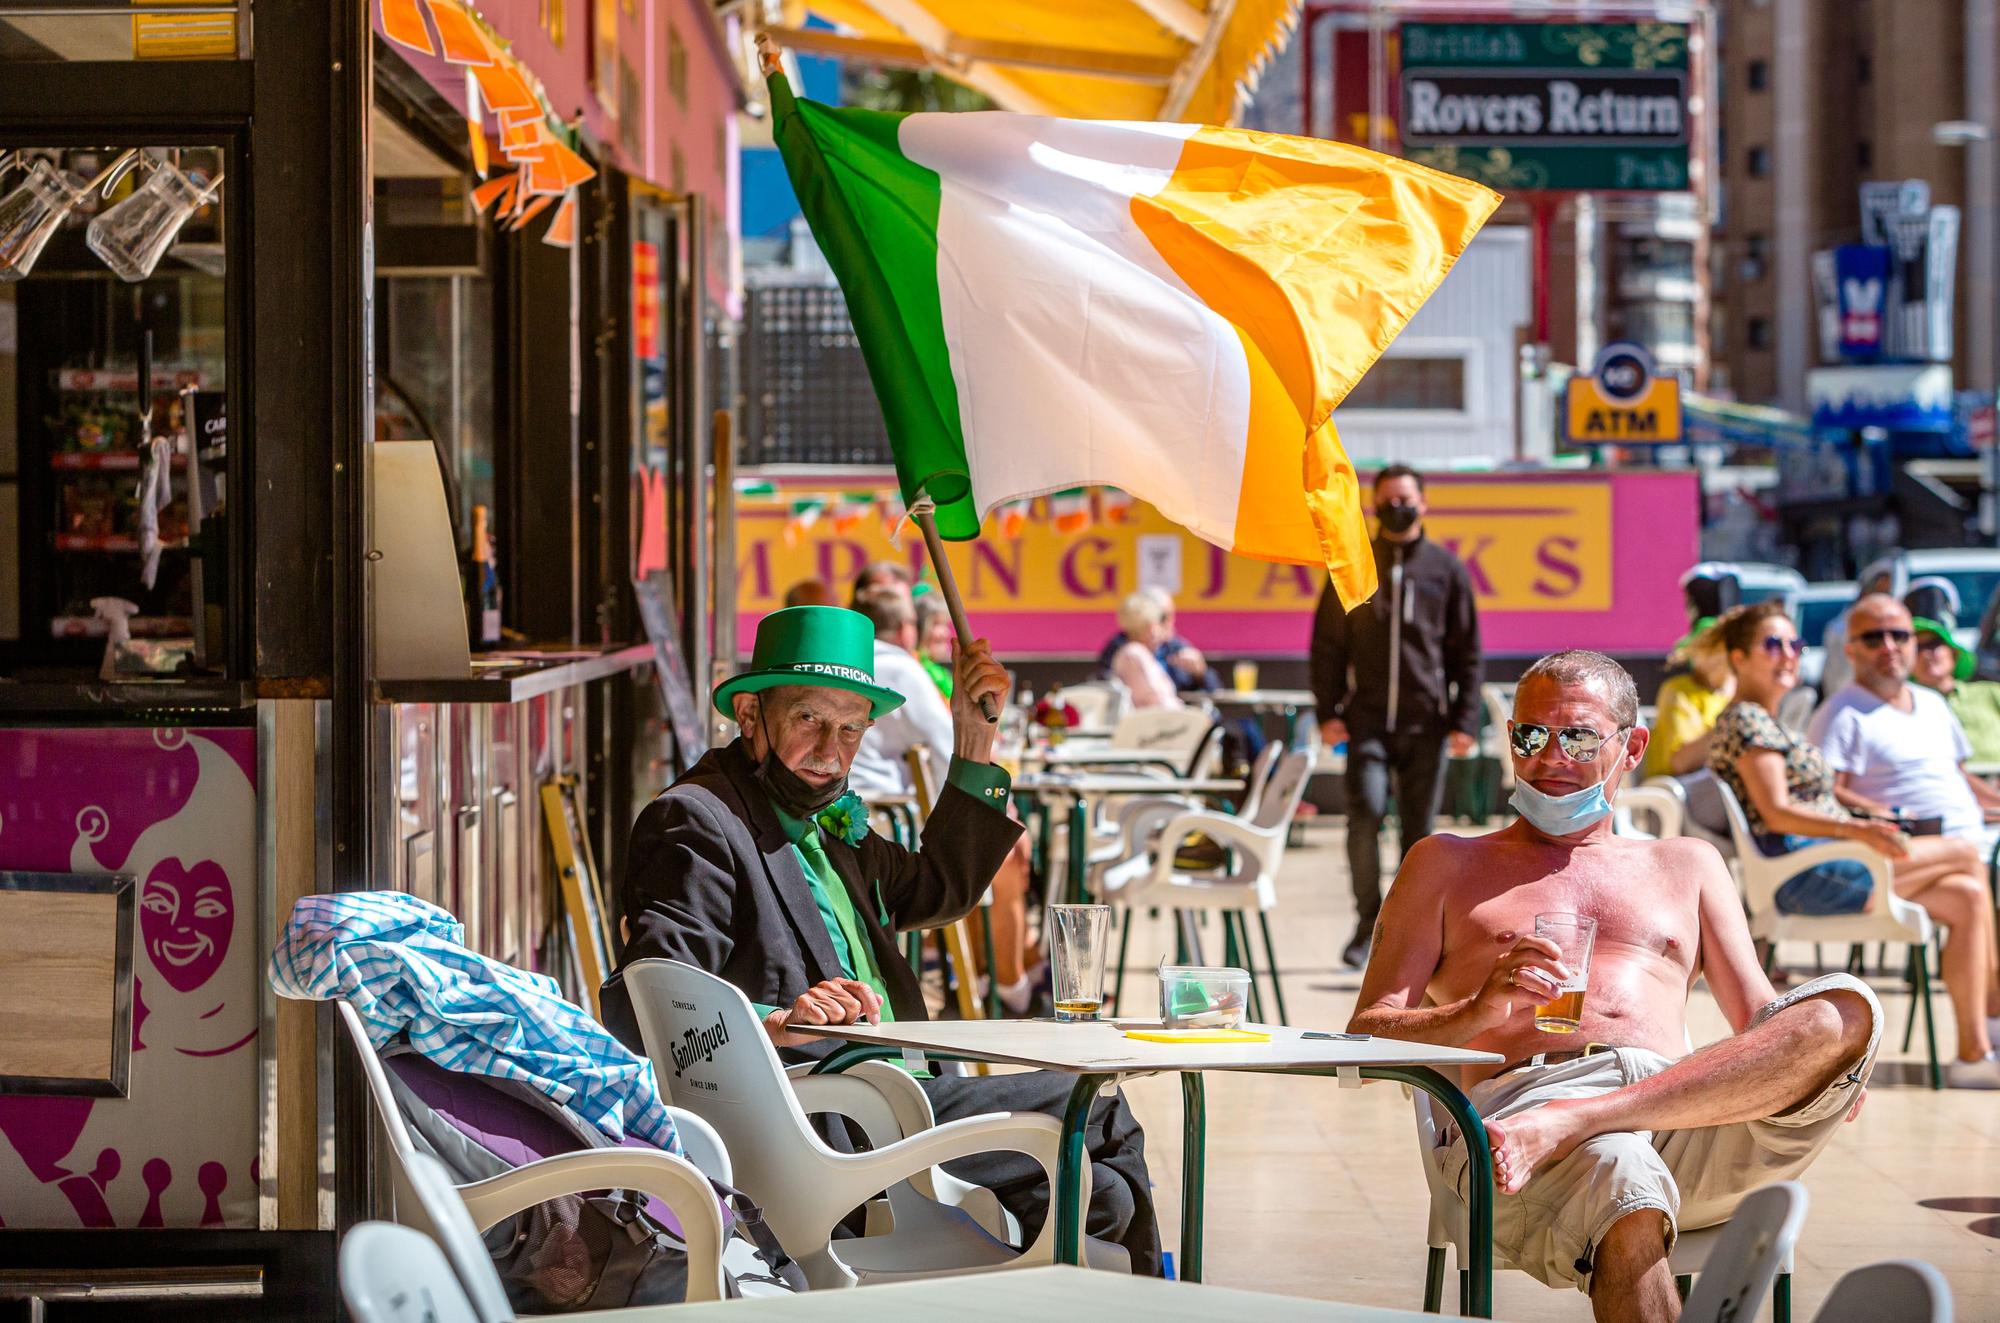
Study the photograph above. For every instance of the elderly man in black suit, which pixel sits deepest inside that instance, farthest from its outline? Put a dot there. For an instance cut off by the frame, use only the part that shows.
(758, 866)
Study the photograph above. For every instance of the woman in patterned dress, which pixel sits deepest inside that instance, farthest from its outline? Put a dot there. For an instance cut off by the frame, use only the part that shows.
(1786, 790)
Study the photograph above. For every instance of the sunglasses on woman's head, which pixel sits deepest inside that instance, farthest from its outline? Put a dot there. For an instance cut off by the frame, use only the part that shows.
(1579, 744)
(1777, 647)
(1874, 637)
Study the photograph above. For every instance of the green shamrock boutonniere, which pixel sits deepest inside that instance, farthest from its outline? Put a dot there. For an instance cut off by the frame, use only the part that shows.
(846, 818)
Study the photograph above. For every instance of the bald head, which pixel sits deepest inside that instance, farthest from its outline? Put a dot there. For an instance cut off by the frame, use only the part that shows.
(1880, 644)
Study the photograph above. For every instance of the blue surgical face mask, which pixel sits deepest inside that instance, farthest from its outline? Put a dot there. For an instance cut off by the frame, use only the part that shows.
(1561, 815)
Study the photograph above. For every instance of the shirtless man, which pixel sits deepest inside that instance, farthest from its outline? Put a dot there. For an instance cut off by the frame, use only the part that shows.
(1607, 1140)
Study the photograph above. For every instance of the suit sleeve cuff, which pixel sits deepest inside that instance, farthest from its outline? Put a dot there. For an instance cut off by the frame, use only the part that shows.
(983, 781)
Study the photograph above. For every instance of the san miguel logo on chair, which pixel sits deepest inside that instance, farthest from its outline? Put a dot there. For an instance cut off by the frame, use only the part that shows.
(698, 1044)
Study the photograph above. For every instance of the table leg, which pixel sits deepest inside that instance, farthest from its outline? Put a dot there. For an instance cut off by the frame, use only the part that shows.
(1079, 851)
(1478, 1297)
(1194, 1163)
(1072, 1168)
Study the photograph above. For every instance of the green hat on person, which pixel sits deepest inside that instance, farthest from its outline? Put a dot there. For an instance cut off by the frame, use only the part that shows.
(828, 646)
(1687, 639)
(1963, 668)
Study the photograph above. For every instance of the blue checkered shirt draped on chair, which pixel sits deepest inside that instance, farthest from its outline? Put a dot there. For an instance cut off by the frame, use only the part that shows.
(403, 965)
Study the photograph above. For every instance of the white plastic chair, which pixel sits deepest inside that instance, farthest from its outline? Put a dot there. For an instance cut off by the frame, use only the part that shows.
(1888, 918)
(1257, 843)
(392, 1274)
(1137, 821)
(679, 1183)
(1796, 708)
(1499, 700)
(711, 1053)
(1894, 1291)
(1450, 1230)
(1098, 703)
(1661, 800)
(1745, 1254)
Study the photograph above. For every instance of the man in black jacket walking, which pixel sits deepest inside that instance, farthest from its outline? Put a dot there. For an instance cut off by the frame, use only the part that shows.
(1397, 679)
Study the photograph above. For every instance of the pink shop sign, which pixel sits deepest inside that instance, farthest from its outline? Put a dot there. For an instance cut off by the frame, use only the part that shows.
(177, 809)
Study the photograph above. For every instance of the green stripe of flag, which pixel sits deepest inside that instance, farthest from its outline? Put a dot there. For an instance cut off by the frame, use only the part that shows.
(875, 214)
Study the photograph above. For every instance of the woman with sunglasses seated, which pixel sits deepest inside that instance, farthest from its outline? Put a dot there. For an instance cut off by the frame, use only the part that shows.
(1786, 789)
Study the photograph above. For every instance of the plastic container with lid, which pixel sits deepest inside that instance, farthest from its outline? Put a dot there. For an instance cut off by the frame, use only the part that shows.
(1203, 996)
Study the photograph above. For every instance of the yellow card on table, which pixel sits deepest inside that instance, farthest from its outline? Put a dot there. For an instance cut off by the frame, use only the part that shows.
(1198, 1035)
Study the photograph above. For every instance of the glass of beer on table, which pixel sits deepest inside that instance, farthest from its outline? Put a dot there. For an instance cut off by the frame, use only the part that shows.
(1080, 939)
(1575, 935)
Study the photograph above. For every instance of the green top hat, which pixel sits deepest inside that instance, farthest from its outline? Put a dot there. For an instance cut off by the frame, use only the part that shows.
(828, 646)
(1966, 661)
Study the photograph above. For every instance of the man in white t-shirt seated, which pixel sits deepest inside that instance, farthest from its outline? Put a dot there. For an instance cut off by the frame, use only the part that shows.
(1895, 746)
(880, 768)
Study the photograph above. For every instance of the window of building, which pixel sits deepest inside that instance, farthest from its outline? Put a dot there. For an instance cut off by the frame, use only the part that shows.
(1757, 333)
(1864, 69)
(1434, 382)
(1864, 154)
(1758, 162)
(1757, 75)
(1756, 257)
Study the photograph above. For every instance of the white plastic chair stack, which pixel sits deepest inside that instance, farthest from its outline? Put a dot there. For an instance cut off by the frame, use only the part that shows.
(712, 1055)
(1257, 843)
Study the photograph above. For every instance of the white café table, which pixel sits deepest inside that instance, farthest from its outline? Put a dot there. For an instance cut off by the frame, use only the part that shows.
(1013, 1296)
(1084, 789)
(1097, 1053)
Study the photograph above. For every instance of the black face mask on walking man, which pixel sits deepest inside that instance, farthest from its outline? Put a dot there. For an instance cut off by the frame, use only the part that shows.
(1396, 517)
(787, 789)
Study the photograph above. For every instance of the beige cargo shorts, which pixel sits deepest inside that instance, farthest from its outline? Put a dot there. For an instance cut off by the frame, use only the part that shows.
(1695, 1178)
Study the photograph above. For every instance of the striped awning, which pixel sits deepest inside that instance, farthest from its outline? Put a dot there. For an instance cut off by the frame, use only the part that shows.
(1194, 61)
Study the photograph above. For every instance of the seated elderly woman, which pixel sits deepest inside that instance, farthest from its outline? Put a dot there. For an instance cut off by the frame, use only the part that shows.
(1144, 623)
(1786, 789)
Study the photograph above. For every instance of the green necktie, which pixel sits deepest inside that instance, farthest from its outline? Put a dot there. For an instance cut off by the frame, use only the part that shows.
(859, 953)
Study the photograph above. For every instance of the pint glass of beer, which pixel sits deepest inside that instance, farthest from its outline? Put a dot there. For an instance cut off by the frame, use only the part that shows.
(1575, 935)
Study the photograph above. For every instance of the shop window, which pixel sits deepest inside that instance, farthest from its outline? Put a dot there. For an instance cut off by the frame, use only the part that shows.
(1433, 383)
(47, 35)
(114, 411)
(436, 382)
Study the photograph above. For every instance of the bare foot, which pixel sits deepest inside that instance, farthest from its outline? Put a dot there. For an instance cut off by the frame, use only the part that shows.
(1525, 1143)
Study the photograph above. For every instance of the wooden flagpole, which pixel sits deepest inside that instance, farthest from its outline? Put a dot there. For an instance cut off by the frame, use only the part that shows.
(922, 513)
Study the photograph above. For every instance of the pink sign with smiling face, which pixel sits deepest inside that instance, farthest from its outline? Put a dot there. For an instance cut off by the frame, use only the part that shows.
(177, 810)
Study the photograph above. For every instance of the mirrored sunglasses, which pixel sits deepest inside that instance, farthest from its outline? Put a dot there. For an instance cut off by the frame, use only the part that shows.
(1579, 743)
(1777, 647)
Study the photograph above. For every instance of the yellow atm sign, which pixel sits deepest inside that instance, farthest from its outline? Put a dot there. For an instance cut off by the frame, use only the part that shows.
(1622, 402)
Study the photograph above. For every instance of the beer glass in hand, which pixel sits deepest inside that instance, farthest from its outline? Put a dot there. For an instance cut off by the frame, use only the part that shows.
(1575, 935)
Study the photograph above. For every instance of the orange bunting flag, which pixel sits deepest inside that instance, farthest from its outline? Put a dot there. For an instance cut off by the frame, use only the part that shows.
(532, 210)
(403, 23)
(464, 41)
(562, 230)
(1012, 518)
(505, 90)
(492, 190)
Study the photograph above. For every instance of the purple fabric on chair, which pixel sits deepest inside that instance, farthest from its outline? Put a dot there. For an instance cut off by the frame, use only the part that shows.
(510, 1128)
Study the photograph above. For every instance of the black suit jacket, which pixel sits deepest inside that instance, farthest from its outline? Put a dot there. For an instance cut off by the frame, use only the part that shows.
(712, 880)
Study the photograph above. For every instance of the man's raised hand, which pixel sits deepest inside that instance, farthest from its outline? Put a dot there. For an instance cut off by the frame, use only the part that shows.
(1530, 973)
(977, 677)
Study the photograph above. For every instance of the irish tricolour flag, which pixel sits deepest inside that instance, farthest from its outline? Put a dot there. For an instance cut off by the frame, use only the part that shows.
(1170, 310)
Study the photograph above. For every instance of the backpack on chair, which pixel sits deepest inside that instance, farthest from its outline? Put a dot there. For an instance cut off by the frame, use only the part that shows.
(598, 1251)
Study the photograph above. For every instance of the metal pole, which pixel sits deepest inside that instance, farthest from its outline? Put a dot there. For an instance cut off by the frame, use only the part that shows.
(1982, 227)
(921, 514)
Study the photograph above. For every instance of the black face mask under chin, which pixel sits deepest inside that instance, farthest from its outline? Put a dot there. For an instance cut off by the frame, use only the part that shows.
(787, 789)
(1396, 517)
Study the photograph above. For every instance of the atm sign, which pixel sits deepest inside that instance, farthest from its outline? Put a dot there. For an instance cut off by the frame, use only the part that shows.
(1622, 402)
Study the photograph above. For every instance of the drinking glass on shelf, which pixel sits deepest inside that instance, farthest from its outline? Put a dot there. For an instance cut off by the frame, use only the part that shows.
(133, 234)
(30, 215)
(1080, 938)
(1575, 935)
